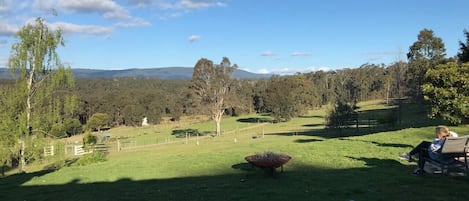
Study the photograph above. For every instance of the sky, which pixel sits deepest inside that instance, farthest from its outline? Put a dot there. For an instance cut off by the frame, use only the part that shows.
(260, 36)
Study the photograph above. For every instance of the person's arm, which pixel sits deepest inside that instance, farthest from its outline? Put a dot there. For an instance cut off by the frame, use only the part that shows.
(436, 145)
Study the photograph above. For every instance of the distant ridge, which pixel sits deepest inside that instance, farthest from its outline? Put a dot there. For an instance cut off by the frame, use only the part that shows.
(166, 73)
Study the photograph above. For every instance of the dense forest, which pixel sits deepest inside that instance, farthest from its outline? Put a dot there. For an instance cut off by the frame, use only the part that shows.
(45, 100)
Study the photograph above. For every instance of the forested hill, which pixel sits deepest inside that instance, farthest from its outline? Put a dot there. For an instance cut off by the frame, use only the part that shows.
(168, 73)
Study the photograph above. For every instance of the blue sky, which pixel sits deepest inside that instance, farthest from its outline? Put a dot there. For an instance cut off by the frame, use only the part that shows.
(261, 36)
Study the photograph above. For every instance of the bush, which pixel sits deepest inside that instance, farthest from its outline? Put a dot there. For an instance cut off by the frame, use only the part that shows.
(73, 127)
(58, 130)
(89, 140)
(94, 157)
(98, 121)
(340, 114)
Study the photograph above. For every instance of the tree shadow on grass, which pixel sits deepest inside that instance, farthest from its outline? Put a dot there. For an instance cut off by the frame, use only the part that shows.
(379, 180)
(312, 116)
(181, 133)
(307, 140)
(254, 120)
(380, 144)
(243, 166)
(313, 125)
(371, 122)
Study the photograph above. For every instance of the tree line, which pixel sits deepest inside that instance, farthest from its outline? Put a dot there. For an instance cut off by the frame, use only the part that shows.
(44, 100)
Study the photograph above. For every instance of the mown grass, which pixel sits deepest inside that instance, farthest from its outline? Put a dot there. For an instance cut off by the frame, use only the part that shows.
(347, 164)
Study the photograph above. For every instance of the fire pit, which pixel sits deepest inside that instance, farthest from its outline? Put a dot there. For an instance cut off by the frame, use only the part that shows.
(268, 160)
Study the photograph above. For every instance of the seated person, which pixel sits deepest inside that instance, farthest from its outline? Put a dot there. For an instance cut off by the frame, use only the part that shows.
(441, 132)
(424, 145)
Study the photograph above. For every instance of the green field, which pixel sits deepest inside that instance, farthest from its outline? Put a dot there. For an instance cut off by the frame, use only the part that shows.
(349, 164)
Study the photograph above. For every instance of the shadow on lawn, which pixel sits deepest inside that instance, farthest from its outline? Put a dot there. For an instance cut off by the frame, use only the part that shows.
(181, 133)
(409, 116)
(379, 180)
(254, 120)
(395, 145)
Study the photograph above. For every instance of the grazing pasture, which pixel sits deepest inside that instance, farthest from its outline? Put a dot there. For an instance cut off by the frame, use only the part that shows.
(356, 163)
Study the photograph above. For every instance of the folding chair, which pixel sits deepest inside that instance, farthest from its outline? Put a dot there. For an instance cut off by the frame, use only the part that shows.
(456, 148)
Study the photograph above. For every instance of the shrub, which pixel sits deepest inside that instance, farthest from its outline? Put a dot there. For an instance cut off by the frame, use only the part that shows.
(340, 115)
(58, 130)
(73, 127)
(89, 140)
(94, 157)
(98, 121)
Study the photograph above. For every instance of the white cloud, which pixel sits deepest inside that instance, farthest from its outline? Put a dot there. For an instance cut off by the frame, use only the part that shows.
(290, 71)
(140, 3)
(8, 30)
(301, 54)
(177, 4)
(198, 4)
(107, 8)
(134, 22)
(4, 7)
(263, 71)
(193, 38)
(175, 8)
(45, 4)
(267, 54)
(116, 13)
(84, 29)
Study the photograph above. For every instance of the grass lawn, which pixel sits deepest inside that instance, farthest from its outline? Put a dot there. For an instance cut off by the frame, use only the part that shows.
(348, 164)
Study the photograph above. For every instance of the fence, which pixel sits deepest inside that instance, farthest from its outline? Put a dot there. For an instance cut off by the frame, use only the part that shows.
(129, 143)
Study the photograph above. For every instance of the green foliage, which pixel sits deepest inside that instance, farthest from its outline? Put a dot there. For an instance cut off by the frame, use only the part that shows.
(91, 158)
(427, 52)
(211, 84)
(340, 115)
(366, 164)
(463, 54)
(40, 78)
(98, 121)
(89, 140)
(289, 96)
(58, 130)
(389, 118)
(446, 88)
(73, 127)
(128, 100)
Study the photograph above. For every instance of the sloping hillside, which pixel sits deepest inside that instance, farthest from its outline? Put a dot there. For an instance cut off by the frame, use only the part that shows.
(168, 73)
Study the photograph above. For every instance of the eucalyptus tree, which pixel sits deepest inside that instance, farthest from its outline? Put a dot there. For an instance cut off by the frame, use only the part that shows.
(240, 97)
(463, 54)
(290, 96)
(427, 52)
(39, 76)
(211, 84)
(324, 85)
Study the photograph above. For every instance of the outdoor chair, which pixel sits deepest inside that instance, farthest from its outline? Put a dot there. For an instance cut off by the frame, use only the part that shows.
(454, 147)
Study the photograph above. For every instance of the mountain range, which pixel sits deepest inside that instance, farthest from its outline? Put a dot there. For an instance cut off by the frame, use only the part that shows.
(167, 73)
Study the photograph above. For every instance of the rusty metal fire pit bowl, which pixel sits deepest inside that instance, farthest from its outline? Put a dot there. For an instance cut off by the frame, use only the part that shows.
(268, 160)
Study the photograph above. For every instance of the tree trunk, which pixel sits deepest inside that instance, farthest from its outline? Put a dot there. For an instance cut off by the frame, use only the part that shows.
(218, 127)
(22, 156)
(218, 121)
